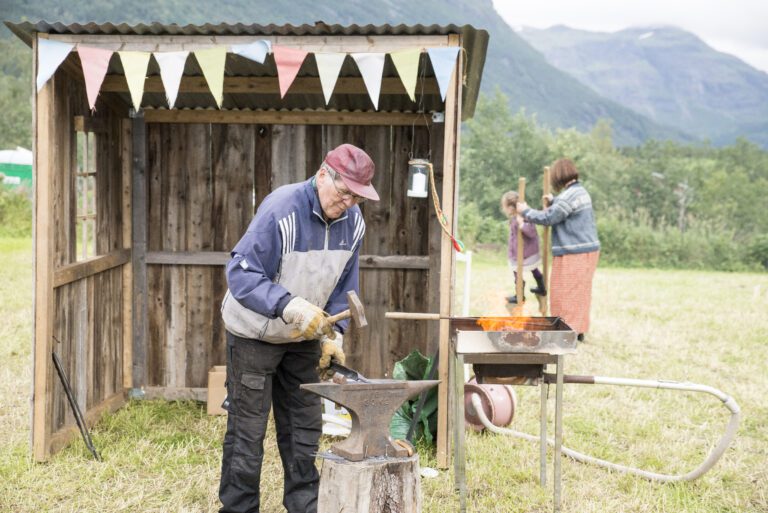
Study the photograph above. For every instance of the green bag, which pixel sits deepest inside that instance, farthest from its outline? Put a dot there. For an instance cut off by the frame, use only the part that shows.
(414, 367)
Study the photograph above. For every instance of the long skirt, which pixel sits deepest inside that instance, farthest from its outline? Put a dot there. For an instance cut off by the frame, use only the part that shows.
(570, 288)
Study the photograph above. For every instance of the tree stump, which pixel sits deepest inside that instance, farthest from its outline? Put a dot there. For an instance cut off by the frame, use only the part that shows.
(375, 485)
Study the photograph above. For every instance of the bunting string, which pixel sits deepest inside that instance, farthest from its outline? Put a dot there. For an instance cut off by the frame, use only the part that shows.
(211, 58)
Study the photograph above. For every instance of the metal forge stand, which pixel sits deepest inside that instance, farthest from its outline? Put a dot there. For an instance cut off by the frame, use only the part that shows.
(511, 351)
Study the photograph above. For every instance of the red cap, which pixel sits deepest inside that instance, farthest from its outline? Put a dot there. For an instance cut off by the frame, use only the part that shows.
(355, 168)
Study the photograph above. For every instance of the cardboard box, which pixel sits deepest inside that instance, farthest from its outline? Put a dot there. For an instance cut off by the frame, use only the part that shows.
(217, 376)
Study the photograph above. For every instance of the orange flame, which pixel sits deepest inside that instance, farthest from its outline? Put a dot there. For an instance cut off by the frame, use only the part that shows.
(501, 324)
(513, 323)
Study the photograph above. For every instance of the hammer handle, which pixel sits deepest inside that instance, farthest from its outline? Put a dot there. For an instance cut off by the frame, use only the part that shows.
(413, 315)
(346, 314)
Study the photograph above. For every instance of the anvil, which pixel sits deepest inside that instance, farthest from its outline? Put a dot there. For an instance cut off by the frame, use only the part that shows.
(371, 406)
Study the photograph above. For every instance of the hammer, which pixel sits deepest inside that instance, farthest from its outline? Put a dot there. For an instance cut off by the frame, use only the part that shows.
(355, 311)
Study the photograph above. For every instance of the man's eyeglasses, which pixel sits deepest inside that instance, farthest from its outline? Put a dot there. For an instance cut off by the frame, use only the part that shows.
(344, 194)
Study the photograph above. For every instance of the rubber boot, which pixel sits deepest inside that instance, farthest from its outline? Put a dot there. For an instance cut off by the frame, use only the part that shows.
(540, 289)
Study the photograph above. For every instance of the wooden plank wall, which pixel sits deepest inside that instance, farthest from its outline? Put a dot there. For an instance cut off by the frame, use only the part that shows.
(204, 184)
(395, 225)
(200, 198)
(87, 312)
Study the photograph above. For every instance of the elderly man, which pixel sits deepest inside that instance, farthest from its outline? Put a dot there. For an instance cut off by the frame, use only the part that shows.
(290, 270)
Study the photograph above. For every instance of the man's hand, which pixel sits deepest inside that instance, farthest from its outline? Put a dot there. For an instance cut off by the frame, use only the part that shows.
(309, 320)
(330, 349)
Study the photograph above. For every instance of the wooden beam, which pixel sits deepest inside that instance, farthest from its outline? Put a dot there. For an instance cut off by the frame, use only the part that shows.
(268, 85)
(447, 258)
(393, 262)
(222, 258)
(188, 257)
(88, 124)
(139, 248)
(176, 393)
(79, 270)
(44, 155)
(66, 434)
(321, 43)
(263, 117)
(126, 160)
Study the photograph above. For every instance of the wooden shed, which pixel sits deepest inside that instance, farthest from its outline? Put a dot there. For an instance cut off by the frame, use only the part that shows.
(136, 210)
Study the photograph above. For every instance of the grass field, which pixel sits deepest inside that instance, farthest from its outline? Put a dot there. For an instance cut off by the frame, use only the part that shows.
(703, 327)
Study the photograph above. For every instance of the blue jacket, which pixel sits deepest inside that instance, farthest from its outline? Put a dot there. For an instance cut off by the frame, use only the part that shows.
(290, 250)
(572, 220)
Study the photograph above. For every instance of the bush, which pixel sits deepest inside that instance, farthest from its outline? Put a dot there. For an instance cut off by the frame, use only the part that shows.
(15, 213)
(475, 229)
(758, 250)
(632, 241)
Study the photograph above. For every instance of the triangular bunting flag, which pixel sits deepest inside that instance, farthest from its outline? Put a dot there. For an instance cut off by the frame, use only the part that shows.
(407, 66)
(50, 55)
(95, 62)
(211, 61)
(371, 67)
(171, 70)
(443, 62)
(288, 62)
(135, 67)
(329, 66)
(256, 51)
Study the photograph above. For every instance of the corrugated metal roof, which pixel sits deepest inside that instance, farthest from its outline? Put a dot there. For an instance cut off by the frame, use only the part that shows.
(474, 41)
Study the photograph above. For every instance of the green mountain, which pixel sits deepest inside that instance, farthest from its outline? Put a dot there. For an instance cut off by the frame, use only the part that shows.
(667, 74)
(520, 72)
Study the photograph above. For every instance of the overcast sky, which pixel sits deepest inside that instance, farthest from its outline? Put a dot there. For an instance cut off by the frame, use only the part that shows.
(737, 27)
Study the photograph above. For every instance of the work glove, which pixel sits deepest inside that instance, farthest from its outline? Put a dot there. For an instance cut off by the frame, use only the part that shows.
(310, 322)
(330, 349)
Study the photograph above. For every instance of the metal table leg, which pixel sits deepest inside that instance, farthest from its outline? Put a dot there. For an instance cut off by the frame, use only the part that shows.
(558, 430)
(543, 433)
(459, 463)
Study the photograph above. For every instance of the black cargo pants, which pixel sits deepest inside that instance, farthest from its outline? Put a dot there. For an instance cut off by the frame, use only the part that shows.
(260, 375)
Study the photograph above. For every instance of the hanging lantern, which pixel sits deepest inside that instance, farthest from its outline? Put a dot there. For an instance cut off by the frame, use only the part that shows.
(418, 176)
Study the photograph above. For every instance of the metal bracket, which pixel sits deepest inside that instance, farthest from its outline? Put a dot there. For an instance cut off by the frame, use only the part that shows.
(136, 393)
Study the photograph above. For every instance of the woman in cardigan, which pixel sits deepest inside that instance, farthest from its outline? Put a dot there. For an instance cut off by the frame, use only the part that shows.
(575, 246)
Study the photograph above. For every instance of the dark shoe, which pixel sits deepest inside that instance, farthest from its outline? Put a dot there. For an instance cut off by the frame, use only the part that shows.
(580, 337)
(539, 291)
(512, 299)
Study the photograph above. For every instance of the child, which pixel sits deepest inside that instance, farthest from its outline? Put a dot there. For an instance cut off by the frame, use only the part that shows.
(531, 256)
(575, 246)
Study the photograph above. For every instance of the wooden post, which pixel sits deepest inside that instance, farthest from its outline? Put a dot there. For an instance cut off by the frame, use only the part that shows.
(139, 249)
(44, 158)
(447, 262)
(519, 286)
(127, 167)
(544, 301)
(370, 486)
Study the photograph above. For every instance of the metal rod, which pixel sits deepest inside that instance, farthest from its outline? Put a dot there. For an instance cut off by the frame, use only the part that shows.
(705, 466)
(75, 408)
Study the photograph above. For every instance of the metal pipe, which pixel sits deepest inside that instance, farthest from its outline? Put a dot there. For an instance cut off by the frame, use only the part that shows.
(705, 466)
